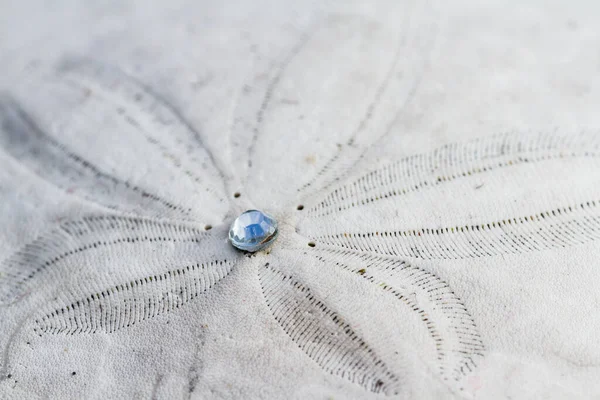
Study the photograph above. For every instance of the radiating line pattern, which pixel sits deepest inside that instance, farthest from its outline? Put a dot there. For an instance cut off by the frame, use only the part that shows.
(56, 163)
(89, 235)
(160, 125)
(322, 334)
(451, 327)
(347, 155)
(154, 249)
(126, 304)
(454, 162)
(561, 227)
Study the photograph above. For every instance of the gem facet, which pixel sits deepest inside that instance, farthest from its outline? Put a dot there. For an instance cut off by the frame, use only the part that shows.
(253, 230)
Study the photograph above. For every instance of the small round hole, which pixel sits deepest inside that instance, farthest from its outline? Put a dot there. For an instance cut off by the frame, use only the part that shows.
(208, 227)
(300, 207)
(237, 194)
(311, 244)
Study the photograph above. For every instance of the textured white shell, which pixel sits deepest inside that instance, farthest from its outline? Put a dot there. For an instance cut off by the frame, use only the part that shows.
(433, 166)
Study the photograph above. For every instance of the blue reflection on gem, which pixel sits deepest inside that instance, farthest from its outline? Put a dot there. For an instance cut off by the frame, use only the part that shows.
(253, 230)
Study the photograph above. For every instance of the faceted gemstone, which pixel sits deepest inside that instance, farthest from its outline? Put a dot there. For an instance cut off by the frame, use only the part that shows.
(253, 230)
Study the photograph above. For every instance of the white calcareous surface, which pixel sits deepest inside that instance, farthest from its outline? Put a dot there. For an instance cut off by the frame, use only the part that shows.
(433, 167)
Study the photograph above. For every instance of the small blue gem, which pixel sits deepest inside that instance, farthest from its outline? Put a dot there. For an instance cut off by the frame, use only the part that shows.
(253, 230)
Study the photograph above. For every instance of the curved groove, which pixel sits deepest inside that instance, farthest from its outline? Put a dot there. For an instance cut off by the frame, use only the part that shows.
(56, 163)
(453, 162)
(322, 334)
(331, 172)
(557, 228)
(457, 340)
(124, 305)
(272, 85)
(154, 117)
(80, 236)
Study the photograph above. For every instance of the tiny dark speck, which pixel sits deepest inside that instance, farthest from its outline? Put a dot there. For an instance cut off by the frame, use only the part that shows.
(9, 376)
(74, 373)
(479, 186)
